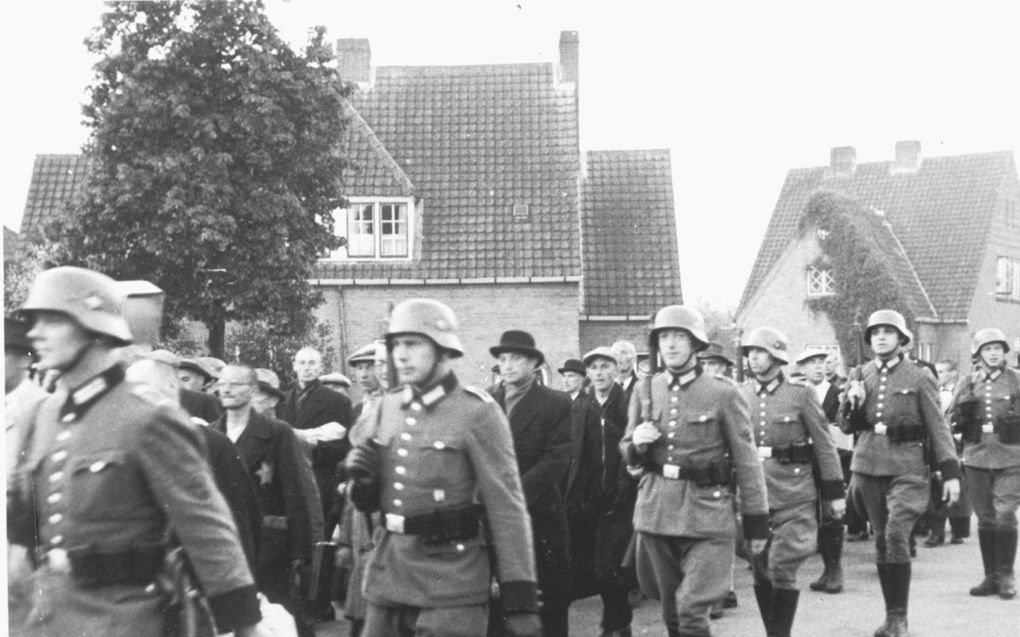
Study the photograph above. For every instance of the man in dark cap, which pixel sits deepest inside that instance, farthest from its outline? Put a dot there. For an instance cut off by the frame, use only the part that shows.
(267, 393)
(192, 375)
(540, 423)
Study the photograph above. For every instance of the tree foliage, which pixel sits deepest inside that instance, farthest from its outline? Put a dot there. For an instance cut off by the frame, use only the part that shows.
(21, 269)
(259, 344)
(864, 276)
(216, 161)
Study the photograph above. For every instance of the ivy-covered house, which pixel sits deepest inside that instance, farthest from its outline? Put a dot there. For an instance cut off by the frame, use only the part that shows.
(936, 238)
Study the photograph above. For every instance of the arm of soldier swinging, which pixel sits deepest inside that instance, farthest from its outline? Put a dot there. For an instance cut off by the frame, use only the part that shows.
(938, 430)
(750, 478)
(491, 452)
(170, 453)
(300, 495)
(831, 471)
(962, 389)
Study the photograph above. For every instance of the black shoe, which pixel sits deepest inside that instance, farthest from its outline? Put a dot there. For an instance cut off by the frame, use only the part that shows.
(730, 601)
(857, 537)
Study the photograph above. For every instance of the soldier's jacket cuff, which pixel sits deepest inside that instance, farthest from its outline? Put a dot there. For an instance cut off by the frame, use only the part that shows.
(950, 468)
(518, 597)
(833, 490)
(756, 526)
(235, 609)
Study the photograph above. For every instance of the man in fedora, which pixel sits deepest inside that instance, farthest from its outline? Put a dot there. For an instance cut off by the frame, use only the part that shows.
(540, 424)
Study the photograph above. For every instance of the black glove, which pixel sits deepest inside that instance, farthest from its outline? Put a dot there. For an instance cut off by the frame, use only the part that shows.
(365, 484)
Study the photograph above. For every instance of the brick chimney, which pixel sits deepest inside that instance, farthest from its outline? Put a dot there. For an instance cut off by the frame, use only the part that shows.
(568, 57)
(908, 157)
(844, 161)
(354, 59)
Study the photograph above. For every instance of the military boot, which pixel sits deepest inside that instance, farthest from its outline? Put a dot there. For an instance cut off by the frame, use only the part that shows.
(784, 608)
(895, 580)
(936, 537)
(990, 584)
(960, 527)
(1005, 551)
(763, 595)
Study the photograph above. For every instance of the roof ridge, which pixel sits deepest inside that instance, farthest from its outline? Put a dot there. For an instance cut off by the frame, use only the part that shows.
(376, 144)
(906, 257)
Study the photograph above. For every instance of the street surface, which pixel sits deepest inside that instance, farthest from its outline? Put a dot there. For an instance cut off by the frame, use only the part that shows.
(939, 603)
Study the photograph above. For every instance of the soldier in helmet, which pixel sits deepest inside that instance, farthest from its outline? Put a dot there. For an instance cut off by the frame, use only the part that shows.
(893, 406)
(689, 434)
(792, 435)
(986, 411)
(109, 472)
(438, 464)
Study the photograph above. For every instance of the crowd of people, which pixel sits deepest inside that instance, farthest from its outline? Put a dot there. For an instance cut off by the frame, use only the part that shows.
(146, 489)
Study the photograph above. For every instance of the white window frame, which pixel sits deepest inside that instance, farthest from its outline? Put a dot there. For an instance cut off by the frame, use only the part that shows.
(344, 226)
(820, 282)
(1007, 279)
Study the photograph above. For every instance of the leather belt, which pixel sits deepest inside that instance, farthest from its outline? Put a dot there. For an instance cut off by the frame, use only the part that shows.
(718, 472)
(899, 433)
(788, 454)
(91, 569)
(439, 526)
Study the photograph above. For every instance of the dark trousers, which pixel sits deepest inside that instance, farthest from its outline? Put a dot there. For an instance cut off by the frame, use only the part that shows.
(893, 504)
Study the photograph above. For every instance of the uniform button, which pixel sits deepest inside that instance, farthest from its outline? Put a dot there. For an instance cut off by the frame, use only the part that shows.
(415, 406)
(411, 421)
(57, 476)
(796, 469)
(399, 486)
(402, 453)
(53, 498)
(881, 387)
(674, 399)
(400, 470)
(439, 444)
(398, 503)
(56, 518)
(669, 435)
(672, 423)
(878, 414)
(59, 456)
(63, 436)
(762, 422)
(672, 412)
(97, 466)
(763, 414)
(67, 418)
(460, 547)
(881, 396)
(57, 540)
(762, 404)
(405, 436)
(880, 405)
(670, 448)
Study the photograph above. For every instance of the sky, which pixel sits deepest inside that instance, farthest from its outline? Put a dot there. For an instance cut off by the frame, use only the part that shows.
(739, 92)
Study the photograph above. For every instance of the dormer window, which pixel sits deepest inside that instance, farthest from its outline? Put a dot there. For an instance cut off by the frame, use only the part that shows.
(819, 282)
(375, 229)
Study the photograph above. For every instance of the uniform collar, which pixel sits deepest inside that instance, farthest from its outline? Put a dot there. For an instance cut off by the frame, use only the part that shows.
(769, 387)
(83, 396)
(890, 364)
(994, 374)
(686, 378)
(430, 396)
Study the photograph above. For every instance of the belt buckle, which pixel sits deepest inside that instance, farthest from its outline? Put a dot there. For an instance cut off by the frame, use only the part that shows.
(58, 561)
(671, 471)
(987, 428)
(394, 523)
(764, 452)
(881, 429)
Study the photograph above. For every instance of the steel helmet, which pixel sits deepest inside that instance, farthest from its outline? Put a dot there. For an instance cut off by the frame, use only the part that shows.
(893, 319)
(92, 299)
(769, 339)
(428, 318)
(679, 317)
(989, 335)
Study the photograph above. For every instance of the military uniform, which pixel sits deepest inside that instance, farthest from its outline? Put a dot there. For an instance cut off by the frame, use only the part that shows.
(447, 464)
(991, 453)
(791, 433)
(684, 515)
(110, 473)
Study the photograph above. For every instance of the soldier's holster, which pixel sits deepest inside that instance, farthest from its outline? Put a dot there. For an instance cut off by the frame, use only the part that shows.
(186, 612)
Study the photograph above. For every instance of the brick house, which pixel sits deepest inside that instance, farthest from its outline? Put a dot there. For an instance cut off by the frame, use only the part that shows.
(468, 186)
(949, 226)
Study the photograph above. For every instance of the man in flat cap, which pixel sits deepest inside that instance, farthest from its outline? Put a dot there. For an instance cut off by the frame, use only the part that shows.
(540, 423)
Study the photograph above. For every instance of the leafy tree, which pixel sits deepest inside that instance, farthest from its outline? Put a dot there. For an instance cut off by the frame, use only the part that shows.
(20, 268)
(259, 344)
(216, 161)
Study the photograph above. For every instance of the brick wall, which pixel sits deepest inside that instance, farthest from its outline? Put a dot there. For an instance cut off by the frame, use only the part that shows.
(549, 311)
(596, 333)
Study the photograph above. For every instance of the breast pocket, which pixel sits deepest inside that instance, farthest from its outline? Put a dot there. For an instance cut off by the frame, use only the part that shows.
(701, 428)
(786, 429)
(903, 408)
(99, 486)
(439, 463)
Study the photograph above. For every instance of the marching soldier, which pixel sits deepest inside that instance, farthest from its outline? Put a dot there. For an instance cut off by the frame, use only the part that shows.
(440, 468)
(986, 410)
(893, 406)
(109, 475)
(791, 433)
(687, 432)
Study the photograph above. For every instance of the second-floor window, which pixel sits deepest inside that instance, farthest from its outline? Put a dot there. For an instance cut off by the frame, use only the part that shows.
(374, 229)
(1007, 279)
(819, 282)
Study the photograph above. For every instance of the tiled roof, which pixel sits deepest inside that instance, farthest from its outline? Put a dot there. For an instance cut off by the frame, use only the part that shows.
(55, 181)
(371, 169)
(631, 264)
(941, 214)
(474, 141)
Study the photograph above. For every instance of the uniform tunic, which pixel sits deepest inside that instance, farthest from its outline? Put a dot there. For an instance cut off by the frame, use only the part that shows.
(993, 467)
(890, 479)
(110, 470)
(446, 448)
(686, 532)
(786, 413)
